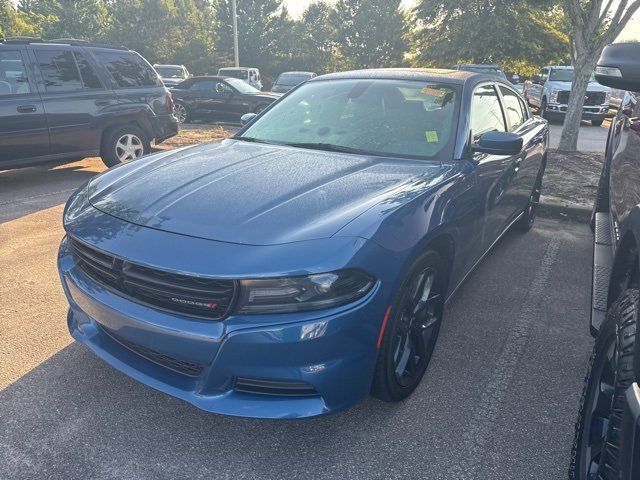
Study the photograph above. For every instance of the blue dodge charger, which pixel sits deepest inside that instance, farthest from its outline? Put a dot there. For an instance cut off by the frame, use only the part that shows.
(304, 263)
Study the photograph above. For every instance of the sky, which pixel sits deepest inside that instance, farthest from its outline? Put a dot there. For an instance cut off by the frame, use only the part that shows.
(631, 32)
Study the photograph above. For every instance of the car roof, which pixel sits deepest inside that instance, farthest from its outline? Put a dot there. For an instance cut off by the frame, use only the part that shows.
(480, 65)
(237, 68)
(58, 41)
(297, 72)
(167, 65)
(457, 77)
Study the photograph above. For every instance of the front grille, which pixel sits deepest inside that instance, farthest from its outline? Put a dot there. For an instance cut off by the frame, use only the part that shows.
(274, 387)
(184, 294)
(181, 366)
(591, 98)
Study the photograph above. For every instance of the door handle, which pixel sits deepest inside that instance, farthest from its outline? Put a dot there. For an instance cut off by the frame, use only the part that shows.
(27, 108)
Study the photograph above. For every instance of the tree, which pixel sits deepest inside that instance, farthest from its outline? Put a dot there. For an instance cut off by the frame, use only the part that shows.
(370, 33)
(518, 35)
(82, 19)
(315, 39)
(14, 22)
(593, 24)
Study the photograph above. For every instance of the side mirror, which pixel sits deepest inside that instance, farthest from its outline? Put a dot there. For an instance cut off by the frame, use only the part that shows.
(498, 143)
(619, 66)
(246, 118)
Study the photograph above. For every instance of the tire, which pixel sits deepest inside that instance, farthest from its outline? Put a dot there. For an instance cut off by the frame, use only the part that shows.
(112, 151)
(528, 219)
(543, 109)
(181, 112)
(597, 123)
(398, 370)
(609, 374)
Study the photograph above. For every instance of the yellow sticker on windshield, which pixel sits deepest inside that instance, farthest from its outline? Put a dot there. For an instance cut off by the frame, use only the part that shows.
(436, 92)
(432, 136)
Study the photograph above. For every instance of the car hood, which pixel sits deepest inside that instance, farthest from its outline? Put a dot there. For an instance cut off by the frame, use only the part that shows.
(592, 87)
(255, 194)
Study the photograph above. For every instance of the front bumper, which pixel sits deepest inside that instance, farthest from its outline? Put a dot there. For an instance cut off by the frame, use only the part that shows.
(334, 352)
(590, 112)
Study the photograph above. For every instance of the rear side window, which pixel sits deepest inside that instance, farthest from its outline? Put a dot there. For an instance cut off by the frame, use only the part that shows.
(13, 74)
(128, 69)
(486, 113)
(87, 73)
(59, 70)
(512, 108)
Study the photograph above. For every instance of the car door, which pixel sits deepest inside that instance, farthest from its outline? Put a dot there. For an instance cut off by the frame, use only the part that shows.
(201, 96)
(495, 173)
(526, 168)
(24, 133)
(73, 98)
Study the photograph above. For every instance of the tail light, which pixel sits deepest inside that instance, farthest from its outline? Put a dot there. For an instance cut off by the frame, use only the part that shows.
(170, 103)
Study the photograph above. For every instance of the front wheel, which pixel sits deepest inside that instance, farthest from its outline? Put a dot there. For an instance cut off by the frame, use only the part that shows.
(597, 445)
(597, 122)
(124, 144)
(543, 109)
(412, 330)
(528, 217)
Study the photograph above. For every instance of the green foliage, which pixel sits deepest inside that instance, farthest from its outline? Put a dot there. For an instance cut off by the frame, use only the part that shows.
(370, 33)
(518, 35)
(330, 35)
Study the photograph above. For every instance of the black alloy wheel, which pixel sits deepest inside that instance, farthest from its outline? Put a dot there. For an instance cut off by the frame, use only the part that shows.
(413, 328)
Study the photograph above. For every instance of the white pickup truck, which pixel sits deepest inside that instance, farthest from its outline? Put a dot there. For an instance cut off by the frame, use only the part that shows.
(549, 93)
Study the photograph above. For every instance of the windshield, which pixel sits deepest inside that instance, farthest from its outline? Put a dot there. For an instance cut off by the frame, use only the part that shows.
(291, 80)
(241, 74)
(241, 86)
(170, 72)
(379, 117)
(565, 75)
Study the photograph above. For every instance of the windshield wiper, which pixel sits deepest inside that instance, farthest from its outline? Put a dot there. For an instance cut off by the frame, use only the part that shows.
(328, 147)
(255, 140)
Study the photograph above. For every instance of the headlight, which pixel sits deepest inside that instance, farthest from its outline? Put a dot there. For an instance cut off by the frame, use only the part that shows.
(298, 294)
(553, 97)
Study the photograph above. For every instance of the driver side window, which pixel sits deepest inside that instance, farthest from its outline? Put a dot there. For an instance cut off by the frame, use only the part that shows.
(486, 112)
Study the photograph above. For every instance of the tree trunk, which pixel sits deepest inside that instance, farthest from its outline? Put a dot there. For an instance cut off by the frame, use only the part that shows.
(583, 68)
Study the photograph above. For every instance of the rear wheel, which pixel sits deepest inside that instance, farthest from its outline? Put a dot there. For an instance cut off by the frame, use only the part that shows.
(597, 122)
(412, 331)
(123, 145)
(597, 443)
(181, 112)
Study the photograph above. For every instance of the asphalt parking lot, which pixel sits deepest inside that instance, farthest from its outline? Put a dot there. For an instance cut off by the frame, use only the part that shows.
(498, 401)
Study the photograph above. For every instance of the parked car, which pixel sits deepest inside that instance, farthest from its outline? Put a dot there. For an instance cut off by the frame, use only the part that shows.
(172, 75)
(247, 75)
(72, 99)
(482, 68)
(288, 80)
(607, 444)
(549, 93)
(291, 270)
(217, 98)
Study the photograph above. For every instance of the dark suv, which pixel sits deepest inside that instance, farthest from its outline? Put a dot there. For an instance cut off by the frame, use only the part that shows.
(70, 99)
(607, 444)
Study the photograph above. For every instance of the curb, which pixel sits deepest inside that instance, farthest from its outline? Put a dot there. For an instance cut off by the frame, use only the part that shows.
(573, 212)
